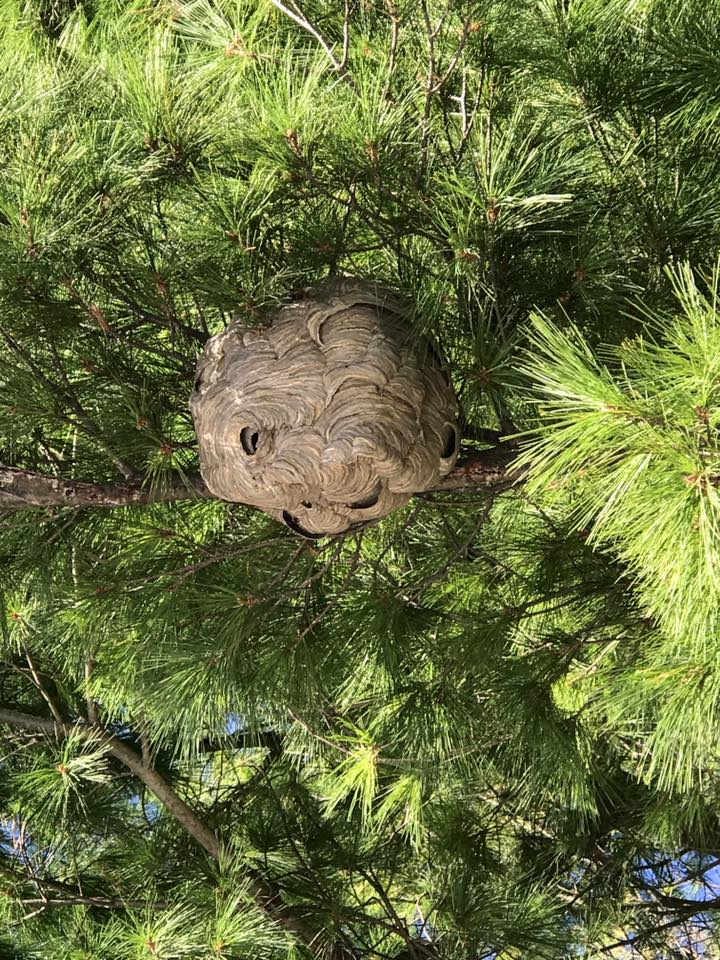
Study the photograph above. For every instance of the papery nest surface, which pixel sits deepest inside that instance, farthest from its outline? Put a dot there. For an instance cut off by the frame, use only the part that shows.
(331, 415)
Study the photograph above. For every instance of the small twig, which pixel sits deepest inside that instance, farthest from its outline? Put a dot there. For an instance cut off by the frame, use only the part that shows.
(454, 59)
(125, 297)
(103, 903)
(189, 570)
(182, 573)
(318, 736)
(468, 122)
(298, 17)
(462, 107)
(328, 606)
(52, 460)
(93, 310)
(394, 37)
(457, 552)
(334, 554)
(346, 36)
(92, 712)
(28, 916)
(201, 317)
(425, 139)
(45, 693)
(398, 925)
(282, 575)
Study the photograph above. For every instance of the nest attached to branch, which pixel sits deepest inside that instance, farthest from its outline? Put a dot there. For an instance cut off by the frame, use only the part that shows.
(331, 416)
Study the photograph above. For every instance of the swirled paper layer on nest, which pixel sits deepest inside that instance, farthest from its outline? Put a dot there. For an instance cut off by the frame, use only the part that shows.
(331, 416)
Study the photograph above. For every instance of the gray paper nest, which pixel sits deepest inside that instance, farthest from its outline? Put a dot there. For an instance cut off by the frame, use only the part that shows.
(331, 416)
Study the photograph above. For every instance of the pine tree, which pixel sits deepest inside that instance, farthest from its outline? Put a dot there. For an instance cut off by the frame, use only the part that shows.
(485, 727)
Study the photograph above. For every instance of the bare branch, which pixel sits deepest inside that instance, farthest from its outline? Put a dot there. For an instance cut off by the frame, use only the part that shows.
(394, 37)
(298, 17)
(45, 693)
(430, 36)
(468, 121)
(346, 36)
(23, 489)
(455, 57)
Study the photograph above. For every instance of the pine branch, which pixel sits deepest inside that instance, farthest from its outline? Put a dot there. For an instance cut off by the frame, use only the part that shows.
(262, 892)
(38, 681)
(699, 906)
(125, 296)
(23, 489)
(72, 896)
(488, 468)
(67, 397)
(130, 759)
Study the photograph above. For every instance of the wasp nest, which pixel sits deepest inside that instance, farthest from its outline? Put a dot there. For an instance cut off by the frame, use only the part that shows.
(331, 416)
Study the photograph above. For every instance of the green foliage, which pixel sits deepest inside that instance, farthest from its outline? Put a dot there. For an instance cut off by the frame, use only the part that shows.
(636, 439)
(486, 727)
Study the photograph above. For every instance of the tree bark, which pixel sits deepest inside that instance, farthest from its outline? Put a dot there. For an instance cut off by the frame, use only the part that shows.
(26, 489)
(486, 468)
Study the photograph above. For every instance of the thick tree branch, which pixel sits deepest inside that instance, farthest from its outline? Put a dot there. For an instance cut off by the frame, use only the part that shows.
(26, 489)
(130, 759)
(23, 489)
